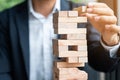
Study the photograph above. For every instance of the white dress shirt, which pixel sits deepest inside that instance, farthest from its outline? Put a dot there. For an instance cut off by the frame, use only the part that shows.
(40, 36)
(112, 49)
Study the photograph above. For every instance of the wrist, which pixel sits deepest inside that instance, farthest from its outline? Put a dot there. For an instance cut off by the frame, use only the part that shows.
(112, 41)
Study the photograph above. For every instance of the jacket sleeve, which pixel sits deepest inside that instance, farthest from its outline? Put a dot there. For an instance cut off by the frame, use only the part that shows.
(5, 71)
(100, 59)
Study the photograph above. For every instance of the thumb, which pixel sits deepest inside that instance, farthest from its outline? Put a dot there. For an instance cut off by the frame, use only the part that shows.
(113, 28)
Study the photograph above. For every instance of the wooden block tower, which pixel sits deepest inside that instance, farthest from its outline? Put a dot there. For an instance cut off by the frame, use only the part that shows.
(71, 46)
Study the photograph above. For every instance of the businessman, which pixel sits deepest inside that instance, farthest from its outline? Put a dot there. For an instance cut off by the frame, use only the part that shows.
(26, 33)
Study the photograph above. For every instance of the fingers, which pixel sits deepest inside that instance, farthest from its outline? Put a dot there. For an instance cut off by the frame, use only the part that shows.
(102, 19)
(100, 11)
(106, 19)
(99, 8)
(97, 5)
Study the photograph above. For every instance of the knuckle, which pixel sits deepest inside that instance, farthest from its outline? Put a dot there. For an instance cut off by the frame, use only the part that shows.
(115, 19)
(112, 12)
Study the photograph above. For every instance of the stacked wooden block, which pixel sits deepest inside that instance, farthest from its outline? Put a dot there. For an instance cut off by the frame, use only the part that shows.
(71, 46)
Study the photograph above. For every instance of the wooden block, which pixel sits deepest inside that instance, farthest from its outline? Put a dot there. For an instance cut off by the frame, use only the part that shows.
(63, 51)
(57, 49)
(81, 9)
(77, 48)
(72, 54)
(73, 36)
(70, 42)
(83, 59)
(65, 25)
(63, 70)
(68, 78)
(68, 47)
(73, 59)
(70, 31)
(55, 71)
(68, 65)
(60, 14)
(70, 20)
(55, 74)
(82, 48)
(80, 76)
(77, 59)
(67, 70)
(72, 13)
(71, 73)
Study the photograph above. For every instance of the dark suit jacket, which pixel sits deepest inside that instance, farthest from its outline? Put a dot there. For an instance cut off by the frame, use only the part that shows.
(14, 41)
(100, 59)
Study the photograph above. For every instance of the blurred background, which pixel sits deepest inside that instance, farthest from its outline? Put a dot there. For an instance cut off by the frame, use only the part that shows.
(93, 75)
(4, 4)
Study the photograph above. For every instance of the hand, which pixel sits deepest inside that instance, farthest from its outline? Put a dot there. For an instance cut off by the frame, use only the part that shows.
(111, 36)
(103, 19)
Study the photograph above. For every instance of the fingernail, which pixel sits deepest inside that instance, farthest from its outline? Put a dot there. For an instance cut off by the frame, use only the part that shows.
(90, 4)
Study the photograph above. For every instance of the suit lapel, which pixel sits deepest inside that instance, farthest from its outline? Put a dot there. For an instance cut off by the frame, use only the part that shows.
(23, 30)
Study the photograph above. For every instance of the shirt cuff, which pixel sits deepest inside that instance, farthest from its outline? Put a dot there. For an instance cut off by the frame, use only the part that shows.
(112, 49)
